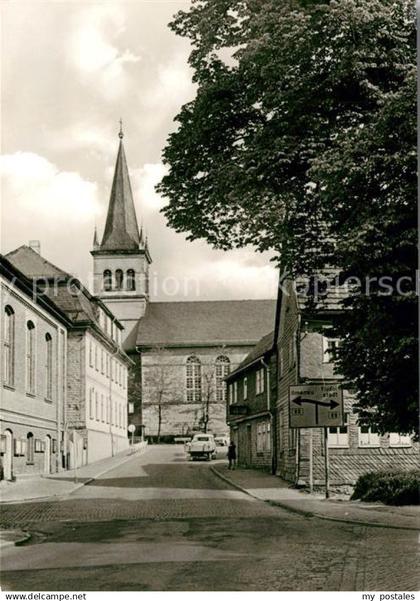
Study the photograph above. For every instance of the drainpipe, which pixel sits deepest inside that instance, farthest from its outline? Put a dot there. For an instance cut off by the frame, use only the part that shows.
(272, 433)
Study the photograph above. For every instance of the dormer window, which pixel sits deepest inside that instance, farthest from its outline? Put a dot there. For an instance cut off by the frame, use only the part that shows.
(107, 280)
(119, 279)
(131, 281)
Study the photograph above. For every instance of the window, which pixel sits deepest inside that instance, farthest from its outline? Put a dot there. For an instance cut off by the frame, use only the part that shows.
(339, 436)
(102, 361)
(119, 279)
(222, 370)
(96, 358)
(30, 357)
(91, 414)
(193, 380)
(130, 407)
(235, 392)
(49, 366)
(399, 440)
(259, 386)
(107, 280)
(108, 401)
(281, 363)
(96, 407)
(90, 353)
(368, 436)
(102, 409)
(30, 448)
(131, 279)
(330, 349)
(9, 346)
(245, 389)
(263, 437)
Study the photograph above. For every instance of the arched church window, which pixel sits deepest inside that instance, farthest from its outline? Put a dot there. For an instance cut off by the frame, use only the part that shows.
(193, 380)
(222, 370)
(107, 280)
(131, 281)
(119, 279)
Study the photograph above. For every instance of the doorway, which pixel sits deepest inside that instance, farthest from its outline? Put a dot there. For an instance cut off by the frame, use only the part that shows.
(8, 456)
(47, 454)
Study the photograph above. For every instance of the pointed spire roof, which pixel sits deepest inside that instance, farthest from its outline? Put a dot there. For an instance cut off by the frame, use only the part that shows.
(121, 228)
(95, 239)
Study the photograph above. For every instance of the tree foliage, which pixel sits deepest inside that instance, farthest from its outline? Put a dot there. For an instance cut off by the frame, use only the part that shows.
(301, 140)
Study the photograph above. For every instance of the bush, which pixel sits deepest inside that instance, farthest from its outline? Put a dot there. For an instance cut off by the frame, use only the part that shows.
(391, 488)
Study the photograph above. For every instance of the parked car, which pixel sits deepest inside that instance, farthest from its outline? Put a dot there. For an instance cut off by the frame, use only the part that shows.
(221, 441)
(202, 446)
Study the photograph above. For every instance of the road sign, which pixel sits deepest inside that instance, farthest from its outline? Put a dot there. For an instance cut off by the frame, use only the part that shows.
(131, 428)
(315, 406)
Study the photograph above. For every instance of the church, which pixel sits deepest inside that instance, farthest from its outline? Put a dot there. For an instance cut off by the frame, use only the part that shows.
(182, 350)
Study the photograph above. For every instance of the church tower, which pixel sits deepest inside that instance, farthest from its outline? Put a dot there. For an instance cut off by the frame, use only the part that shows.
(121, 261)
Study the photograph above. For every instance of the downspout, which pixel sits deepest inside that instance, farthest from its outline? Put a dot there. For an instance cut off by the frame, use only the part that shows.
(267, 367)
(275, 349)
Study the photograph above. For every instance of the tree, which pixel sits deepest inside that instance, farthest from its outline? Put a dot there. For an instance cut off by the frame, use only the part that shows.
(213, 388)
(160, 384)
(301, 141)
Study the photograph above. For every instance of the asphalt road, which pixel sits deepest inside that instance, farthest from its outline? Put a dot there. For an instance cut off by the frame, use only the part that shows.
(159, 522)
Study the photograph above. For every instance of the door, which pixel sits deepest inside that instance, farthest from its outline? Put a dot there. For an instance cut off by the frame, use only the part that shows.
(249, 444)
(47, 455)
(8, 456)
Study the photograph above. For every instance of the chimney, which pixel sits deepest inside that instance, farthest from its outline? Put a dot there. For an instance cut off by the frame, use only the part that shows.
(35, 245)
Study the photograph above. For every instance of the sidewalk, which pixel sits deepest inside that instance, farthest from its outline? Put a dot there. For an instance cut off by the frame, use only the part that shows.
(62, 483)
(272, 489)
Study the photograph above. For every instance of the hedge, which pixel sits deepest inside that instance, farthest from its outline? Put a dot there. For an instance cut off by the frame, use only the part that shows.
(391, 487)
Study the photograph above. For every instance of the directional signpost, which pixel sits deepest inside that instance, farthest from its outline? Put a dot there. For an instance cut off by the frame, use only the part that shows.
(316, 406)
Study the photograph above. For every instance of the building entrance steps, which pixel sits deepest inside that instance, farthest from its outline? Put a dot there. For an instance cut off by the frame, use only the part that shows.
(65, 482)
(276, 491)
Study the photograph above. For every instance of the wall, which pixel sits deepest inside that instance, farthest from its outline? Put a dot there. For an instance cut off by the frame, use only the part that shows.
(287, 375)
(347, 463)
(178, 415)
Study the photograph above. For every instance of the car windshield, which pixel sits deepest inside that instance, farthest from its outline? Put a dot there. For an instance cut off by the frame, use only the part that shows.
(202, 438)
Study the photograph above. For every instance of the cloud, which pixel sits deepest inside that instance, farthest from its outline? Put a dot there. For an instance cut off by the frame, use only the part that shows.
(94, 49)
(145, 180)
(35, 189)
(170, 87)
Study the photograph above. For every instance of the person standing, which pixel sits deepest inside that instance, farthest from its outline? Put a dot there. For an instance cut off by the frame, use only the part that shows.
(231, 455)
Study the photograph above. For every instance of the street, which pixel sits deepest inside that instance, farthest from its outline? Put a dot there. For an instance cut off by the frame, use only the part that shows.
(160, 522)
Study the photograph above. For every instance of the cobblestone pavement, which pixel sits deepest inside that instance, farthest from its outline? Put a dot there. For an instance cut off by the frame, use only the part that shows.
(159, 522)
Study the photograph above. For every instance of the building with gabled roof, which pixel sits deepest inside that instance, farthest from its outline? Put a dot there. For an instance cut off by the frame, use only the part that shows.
(96, 409)
(198, 341)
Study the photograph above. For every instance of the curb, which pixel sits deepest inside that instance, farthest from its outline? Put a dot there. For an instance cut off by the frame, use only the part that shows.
(16, 543)
(57, 496)
(310, 514)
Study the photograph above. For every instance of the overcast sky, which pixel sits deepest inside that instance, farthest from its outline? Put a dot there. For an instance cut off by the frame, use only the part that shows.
(70, 70)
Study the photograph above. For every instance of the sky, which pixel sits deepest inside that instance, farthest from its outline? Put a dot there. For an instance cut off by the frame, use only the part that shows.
(69, 71)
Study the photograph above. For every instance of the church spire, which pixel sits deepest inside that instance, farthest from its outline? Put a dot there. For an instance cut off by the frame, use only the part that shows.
(95, 239)
(121, 229)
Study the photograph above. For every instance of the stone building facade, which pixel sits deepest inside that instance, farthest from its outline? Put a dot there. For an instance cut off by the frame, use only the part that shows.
(96, 406)
(33, 336)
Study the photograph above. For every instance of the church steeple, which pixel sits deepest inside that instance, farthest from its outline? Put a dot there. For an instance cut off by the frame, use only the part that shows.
(121, 261)
(121, 228)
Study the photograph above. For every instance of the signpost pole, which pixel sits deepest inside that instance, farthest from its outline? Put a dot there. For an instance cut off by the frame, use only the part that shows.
(327, 483)
(311, 462)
